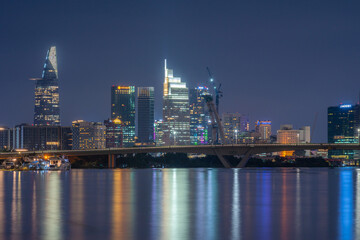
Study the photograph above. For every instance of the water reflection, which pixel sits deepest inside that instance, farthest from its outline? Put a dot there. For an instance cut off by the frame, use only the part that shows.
(53, 217)
(175, 211)
(123, 205)
(284, 226)
(236, 207)
(76, 207)
(181, 204)
(346, 205)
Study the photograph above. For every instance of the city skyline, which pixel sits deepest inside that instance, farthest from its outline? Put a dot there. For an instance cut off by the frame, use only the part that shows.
(305, 64)
(180, 119)
(52, 54)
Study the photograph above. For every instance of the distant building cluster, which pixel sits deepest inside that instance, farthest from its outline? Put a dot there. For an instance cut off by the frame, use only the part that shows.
(186, 120)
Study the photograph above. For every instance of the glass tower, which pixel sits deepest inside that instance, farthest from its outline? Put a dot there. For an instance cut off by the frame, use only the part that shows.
(47, 109)
(199, 116)
(145, 114)
(176, 113)
(123, 108)
(343, 125)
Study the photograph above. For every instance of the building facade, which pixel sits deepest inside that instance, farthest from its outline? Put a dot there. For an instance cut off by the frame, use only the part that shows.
(235, 124)
(264, 129)
(47, 101)
(343, 125)
(88, 135)
(288, 135)
(159, 132)
(145, 114)
(176, 113)
(123, 108)
(5, 138)
(114, 133)
(37, 138)
(199, 116)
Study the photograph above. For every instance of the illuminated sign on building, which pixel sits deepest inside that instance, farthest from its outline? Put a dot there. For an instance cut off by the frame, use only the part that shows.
(345, 106)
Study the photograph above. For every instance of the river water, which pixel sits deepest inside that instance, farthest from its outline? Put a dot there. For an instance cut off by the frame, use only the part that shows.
(257, 203)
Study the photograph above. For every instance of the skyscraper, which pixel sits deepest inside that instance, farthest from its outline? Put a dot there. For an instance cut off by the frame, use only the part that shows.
(145, 114)
(199, 116)
(343, 125)
(123, 108)
(176, 114)
(47, 108)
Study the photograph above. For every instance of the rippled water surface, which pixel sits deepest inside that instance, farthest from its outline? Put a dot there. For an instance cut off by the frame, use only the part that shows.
(181, 204)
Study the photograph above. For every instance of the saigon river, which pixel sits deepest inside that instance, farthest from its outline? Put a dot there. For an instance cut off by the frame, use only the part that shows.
(251, 203)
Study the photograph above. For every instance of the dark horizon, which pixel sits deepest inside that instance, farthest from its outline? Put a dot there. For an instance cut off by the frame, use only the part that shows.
(283, 62)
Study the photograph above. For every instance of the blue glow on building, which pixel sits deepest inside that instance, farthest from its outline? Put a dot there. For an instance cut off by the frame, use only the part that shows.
(345, 106)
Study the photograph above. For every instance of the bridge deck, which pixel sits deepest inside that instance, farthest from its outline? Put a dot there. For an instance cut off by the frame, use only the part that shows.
(229, 149)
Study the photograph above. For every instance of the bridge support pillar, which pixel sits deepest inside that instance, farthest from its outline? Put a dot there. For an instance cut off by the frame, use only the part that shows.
(111, 161)
(244, 159)
(222, 159)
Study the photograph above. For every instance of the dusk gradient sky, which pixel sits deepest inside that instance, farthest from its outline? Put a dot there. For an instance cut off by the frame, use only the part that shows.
(282, 61)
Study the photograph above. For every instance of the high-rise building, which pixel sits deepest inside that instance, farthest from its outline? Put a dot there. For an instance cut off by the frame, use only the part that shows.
(88, 135)
(123, 108)
(176, 113)
(199, 117)
(234, 124)
(264, 129)
(343, 125)
(145, 114)
(114, 134)
(47, 108)
(288, 135)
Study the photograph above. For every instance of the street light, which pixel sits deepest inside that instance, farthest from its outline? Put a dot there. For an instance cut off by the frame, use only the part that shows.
(236, 131)
(174, 138)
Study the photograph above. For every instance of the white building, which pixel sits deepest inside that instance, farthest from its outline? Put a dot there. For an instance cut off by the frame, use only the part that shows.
(176, 114)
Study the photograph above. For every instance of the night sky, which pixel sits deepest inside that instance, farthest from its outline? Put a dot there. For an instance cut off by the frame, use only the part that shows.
(283, 61)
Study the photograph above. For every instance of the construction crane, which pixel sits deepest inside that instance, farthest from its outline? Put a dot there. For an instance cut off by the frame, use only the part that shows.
(217, 128)
(217, 91)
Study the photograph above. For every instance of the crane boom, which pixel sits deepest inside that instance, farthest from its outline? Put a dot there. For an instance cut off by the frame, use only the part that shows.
(217, 128)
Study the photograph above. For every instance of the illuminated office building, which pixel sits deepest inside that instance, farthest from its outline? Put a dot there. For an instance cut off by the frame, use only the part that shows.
(145, 114)
(343, 125)
(176, 113)
(264, 129)
(88, 135)
(234, 125)
(47, 108)
(114, 133)
(199, 117)
(123, 108)
(288, 135)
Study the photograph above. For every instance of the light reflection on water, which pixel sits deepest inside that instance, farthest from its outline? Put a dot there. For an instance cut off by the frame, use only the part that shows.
(181, 204)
